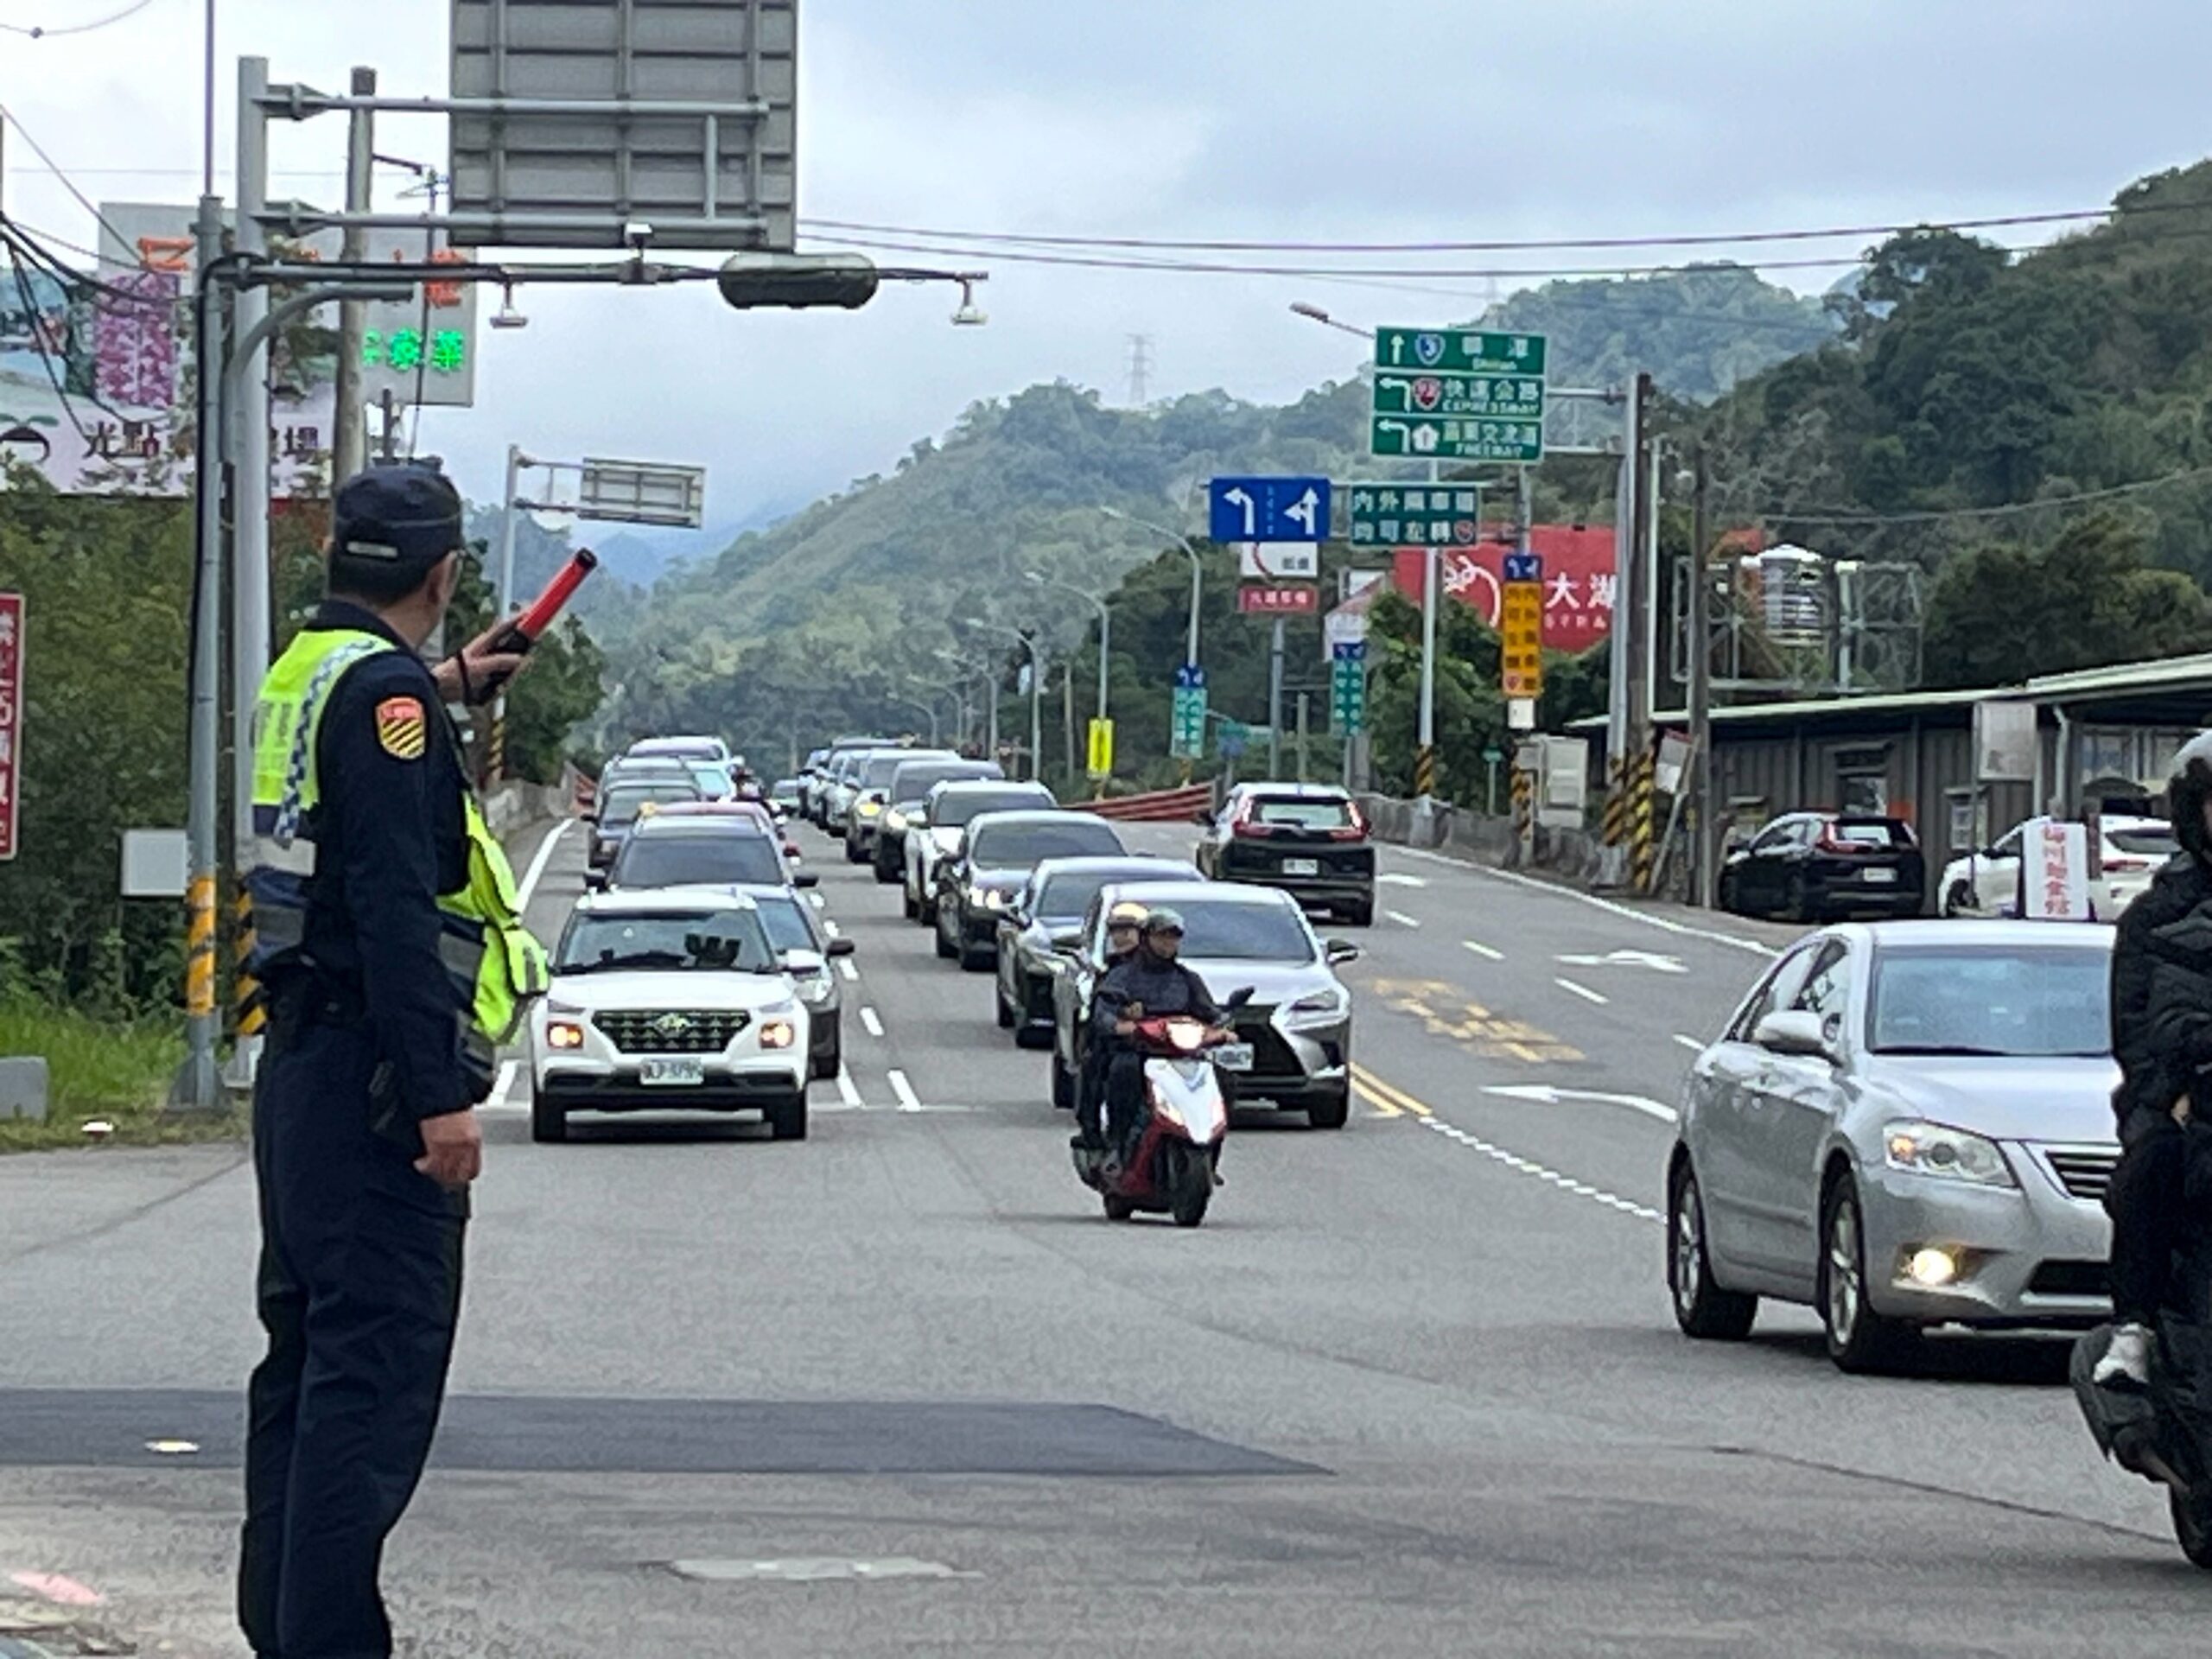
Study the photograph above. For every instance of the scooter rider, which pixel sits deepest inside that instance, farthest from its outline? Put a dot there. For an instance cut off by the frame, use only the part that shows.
(1151, 984)
(2161, 1037)
(1124, 919)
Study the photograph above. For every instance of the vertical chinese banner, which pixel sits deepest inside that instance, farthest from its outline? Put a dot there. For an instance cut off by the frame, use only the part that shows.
(11, 714)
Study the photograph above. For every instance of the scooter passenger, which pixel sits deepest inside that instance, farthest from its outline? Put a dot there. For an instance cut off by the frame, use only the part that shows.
(1150, 984)
(1123, 920)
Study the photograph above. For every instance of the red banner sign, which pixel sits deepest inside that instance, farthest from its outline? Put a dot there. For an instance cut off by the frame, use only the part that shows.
(11, 715)
(1578, 580)
(1279, 599)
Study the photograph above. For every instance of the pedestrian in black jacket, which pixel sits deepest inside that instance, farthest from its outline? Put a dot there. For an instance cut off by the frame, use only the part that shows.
(2161, 1037)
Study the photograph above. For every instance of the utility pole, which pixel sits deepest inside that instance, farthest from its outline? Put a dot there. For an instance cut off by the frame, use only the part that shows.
(1640, 599)
(250, 606)
(1432, 575)
(1703, 811)
(351, 442)
(1275, 703)
(1304, 734)
(1067, 719)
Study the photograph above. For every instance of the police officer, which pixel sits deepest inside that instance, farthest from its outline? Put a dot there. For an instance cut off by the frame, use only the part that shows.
(394, 958)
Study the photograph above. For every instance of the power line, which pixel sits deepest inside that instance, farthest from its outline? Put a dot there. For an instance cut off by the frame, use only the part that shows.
(2187, 474)
(67, 183)
(1697, 239)
(38, 32)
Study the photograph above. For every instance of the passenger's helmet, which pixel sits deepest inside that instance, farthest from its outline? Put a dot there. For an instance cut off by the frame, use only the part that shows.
(1126, 913)
(2187, 789)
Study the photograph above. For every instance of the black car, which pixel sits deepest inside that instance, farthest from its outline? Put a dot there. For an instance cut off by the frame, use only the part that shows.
(615, 811)
(996, 853)
(808, 951)
(904, 805)
(1819, 867)
(685, 852)
(947, 811)
(872, 796)
(1043, 925)
(1309, 840)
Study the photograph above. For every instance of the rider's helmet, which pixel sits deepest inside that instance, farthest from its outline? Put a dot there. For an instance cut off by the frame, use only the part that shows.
(1126, 913)
(1164, 919)
(2187, 791)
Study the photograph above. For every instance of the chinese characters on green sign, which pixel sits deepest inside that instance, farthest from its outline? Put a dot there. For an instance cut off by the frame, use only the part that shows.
(444, 352)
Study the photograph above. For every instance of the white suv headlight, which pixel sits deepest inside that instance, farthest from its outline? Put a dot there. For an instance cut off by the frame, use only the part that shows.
(778, 1034)
(1946, 1154)
(1319, 1008)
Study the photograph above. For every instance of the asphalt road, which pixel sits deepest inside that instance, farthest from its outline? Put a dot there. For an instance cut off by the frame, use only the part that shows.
(1414, 1387)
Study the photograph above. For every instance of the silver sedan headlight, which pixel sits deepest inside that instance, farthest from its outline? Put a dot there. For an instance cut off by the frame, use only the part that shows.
(1948, 1154)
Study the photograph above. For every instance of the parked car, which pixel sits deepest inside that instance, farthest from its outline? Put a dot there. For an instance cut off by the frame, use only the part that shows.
(905, 804)
(1988, 883)
(1905, 1126)
(1298, 1022)
(1043, 927)
(617, 808)
(948, 808)
(807, 952)
(1310, 840)
(985, 873)
(670, 1001)
(871, 796)
(1813, 867)
(719, 849)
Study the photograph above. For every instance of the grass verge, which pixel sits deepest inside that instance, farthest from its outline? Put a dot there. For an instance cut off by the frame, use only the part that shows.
(110, 1070)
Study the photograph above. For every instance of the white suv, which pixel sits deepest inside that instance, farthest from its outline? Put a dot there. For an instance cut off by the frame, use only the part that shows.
(673, 999)
(1988, 883)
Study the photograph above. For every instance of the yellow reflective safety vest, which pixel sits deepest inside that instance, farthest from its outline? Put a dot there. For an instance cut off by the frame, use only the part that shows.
(496, 965)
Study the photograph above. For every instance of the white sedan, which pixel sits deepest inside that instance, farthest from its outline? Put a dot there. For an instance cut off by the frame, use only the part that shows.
(672, 999)
(1988, 883)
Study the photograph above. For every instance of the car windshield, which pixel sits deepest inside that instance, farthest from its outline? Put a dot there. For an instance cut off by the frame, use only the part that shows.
(682, 860)
(2017, 1000)
(911, 784)
(1018, 846)
(1875, 832)
(710, 778)
(598, 941)
(1304, 814)
(2144, 841)
(786, 920)
(1219, 931)
(622, 803)
(953, 810)
(880, 770)
(1065, 897)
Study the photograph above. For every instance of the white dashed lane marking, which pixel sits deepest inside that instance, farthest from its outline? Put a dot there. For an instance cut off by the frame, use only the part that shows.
(1401, 918)
(847, 1092)
(845, 967)
(1690, 1042)
(1514, 1161)
(908, 1100)
(1483, 951)
(1582, 991)
(873, 1022)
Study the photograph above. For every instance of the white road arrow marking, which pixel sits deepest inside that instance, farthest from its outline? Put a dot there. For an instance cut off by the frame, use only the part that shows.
(1544, 1094)
(1650, 959)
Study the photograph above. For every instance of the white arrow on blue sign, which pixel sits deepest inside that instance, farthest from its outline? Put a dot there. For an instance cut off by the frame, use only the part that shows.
(1524, 567)
(1190, 678)
(1269, 509)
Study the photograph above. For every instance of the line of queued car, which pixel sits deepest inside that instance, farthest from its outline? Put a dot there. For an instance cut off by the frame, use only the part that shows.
(1011, 882)
(692, 976)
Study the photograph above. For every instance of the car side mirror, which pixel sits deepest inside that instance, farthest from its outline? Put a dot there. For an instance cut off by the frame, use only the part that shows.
(840, 947)
(594, 881)
(1237, 999)
(591, 818)
(1339, 951)
(1794, 1032)
(805, 879)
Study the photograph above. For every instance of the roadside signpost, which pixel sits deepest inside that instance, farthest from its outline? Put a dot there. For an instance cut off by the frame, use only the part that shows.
(1188, 720)
(1100, 749)
(1459, 394)
(1521, 627)
(1269, 509)
(11, 715)
(1279, 599)
(1279, 561)
(1348, 686)
(1413, 515)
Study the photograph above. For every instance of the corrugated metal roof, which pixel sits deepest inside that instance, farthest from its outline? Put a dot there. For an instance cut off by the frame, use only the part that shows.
(2163, 676)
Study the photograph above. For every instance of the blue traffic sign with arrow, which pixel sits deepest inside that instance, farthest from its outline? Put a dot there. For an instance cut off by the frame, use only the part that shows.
(1269, 508)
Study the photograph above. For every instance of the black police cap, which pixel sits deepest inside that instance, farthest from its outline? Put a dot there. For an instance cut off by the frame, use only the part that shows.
(406, 513)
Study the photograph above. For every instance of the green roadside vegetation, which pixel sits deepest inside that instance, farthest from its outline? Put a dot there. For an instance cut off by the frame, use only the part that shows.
(113, 1068)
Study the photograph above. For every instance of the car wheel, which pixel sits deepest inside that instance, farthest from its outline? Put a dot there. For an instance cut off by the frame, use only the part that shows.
(1361, 914)
(1119, 1209)
(1796, 904)
(827, 1068)
(1859, 1338)
(908, 902)
(1331, 1113)
(548, 1119)
(946, 949)
(977, 957)
(2192, 1518)
(1959, 902)
(926, 911)
(1702, 1308)
(1063, 1083)
(885, 875)
(787, 1118)
(1005, 1008)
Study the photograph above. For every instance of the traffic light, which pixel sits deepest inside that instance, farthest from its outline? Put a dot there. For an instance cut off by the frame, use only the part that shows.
(797, 281)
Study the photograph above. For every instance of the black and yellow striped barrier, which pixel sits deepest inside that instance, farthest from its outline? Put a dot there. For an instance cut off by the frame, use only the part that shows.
(199, 948)
(1643, 841)
(1425, 770)
(1525, 801)
(1615, 830)
(246, 997)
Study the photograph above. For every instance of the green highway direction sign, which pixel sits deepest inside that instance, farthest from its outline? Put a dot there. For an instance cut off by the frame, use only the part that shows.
(1348, 686)
(1187, 721)
(1412, 514)
(1459, 394)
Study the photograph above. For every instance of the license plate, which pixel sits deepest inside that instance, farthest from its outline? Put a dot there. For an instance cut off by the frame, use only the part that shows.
(662, 1073)
(1879, 878)
(1301, 867)
(1232, 1057)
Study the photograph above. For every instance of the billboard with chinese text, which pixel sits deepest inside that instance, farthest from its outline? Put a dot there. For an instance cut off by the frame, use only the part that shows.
(1579, 578)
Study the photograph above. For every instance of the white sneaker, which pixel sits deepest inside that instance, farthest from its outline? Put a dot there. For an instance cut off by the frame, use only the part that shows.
(2126, 1364)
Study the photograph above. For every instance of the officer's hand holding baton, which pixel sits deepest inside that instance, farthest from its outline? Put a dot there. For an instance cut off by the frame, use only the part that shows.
(478, 671)
(453, 1148)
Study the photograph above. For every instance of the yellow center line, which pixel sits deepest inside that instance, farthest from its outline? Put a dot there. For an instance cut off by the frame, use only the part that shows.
(1386, 1095)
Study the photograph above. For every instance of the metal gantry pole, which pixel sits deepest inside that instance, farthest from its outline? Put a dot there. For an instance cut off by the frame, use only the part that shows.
(1274, 701)
(351, 443)
(1703, 815)
(1432, 567)
(195, 1085)
(249, 420)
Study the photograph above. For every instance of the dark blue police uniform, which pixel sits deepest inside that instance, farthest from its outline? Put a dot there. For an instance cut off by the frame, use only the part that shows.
(359, 1280)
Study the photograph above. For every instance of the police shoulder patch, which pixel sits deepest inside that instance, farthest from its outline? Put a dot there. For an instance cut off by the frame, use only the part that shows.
(402, 727)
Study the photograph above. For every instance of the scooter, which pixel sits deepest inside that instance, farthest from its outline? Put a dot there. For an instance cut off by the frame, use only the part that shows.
(2165, 1435)
(1181, 1126)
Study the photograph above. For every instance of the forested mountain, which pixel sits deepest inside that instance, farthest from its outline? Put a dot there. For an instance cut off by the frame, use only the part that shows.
(856, 592)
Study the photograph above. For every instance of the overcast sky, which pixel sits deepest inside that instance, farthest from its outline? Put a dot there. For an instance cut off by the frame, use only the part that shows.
(1274, 119)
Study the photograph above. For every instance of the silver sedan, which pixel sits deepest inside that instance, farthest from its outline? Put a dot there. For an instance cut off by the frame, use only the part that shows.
(1906, 1124)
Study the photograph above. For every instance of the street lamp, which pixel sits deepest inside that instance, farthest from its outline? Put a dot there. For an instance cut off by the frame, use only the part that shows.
(988, 685)
(957, 690)
(1197, 571)
(928, 709)
(1036, 692)
(1105, 624)
(1425, 735)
